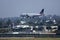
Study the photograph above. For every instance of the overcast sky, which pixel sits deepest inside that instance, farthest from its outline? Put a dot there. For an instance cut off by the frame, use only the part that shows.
(11, 8)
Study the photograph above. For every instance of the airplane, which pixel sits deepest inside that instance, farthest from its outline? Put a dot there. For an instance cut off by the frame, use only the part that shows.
(29, 15)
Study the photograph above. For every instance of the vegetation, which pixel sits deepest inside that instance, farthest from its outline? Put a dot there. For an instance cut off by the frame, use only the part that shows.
(18, 38)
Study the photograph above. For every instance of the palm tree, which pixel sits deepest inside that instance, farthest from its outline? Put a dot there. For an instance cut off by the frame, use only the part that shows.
(1, 23)
(8, 22)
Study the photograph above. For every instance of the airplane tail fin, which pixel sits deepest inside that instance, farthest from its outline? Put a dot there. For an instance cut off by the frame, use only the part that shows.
(42, 12)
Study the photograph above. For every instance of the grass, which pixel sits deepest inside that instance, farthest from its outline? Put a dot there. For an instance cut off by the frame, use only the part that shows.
(26, 38)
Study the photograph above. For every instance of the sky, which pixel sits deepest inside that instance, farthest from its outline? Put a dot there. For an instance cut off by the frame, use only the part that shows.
(14, 8)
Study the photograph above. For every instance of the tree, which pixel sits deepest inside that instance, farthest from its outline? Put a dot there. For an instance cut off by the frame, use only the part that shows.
(17, 21)
(9, 22)
(1, 23)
